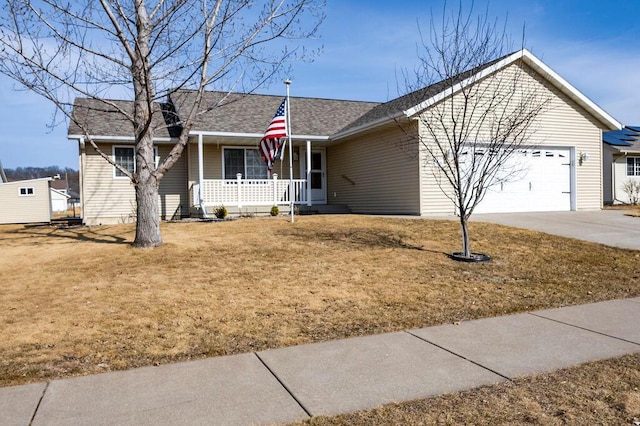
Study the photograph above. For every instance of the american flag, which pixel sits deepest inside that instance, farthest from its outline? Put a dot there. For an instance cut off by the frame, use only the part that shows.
(271, 143)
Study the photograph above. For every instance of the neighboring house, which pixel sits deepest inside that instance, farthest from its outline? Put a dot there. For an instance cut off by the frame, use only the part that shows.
(25, 201)
(59, 201)
(59, 195)
(360, 154)
(620, 163)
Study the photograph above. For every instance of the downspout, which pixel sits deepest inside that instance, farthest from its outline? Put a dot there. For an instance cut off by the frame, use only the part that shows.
(614, 194)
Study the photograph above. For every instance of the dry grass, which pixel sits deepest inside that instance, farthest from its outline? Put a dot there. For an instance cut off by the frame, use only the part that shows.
(79, 301)
(629, 210)
(599, 393)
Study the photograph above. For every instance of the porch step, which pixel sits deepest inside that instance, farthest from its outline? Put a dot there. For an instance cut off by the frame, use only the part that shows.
(325, 209)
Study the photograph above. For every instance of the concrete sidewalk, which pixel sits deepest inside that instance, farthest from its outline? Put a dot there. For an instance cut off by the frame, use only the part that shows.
(290, 384)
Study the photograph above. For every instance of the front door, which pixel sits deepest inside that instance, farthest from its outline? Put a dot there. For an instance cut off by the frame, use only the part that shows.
(317, 174)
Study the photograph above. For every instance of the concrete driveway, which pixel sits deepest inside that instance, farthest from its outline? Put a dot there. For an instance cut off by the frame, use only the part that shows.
(610, 227)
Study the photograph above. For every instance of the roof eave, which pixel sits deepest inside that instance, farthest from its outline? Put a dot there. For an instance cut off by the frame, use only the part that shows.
(466, 82)
(367, 126)
(566, 87)
(111, 138)
(535, 63)
(251, 135)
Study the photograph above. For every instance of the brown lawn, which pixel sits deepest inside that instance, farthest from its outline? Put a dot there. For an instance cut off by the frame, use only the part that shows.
(81, 300)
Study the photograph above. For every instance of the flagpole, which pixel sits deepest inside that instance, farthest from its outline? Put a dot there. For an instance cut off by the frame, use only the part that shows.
(288, 121)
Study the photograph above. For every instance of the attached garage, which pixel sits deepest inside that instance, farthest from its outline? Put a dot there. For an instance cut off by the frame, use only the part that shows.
(542, 181)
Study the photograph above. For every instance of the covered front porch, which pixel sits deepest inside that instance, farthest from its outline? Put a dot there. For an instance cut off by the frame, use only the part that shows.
(230, 173)
(241, 192)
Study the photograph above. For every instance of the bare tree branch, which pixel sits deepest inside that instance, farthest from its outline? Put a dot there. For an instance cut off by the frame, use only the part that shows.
(144, 51)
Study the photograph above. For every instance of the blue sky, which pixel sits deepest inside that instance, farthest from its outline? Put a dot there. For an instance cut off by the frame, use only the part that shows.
(594, 45)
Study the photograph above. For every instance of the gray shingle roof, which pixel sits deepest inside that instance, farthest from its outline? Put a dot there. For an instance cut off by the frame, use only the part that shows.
(394, 107)
(252, 113)
(104, 119)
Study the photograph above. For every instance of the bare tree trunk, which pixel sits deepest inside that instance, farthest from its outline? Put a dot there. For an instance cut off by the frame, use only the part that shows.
(464, 227)
(147, 213)
(95, 47)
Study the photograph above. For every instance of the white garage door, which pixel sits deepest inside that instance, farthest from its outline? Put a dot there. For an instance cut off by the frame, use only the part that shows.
(543, 184)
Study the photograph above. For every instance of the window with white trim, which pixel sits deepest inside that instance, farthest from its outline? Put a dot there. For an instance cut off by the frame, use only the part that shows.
(633, 166)
(246, 161)
(125, 156)
(27, 191)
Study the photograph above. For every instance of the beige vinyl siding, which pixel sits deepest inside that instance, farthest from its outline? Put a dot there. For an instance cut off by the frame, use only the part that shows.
(109, 199)
(375, 173)
(564, 124)
(16, 208)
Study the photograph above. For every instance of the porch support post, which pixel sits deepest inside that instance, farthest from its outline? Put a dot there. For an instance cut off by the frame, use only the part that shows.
(239, 182)
(275, 189)
(308, 178)
(201, 176)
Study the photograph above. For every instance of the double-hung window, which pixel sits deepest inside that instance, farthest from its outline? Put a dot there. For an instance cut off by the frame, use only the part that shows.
(246, 161)
(125, 157)
(26, 191)
(633, 166)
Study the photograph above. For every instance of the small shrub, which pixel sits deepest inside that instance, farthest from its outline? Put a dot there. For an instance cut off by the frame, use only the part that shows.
(275, 211)
(631, 187)
(220, 212)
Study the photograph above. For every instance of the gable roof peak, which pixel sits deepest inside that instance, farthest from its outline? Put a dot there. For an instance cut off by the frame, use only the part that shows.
(415, 102)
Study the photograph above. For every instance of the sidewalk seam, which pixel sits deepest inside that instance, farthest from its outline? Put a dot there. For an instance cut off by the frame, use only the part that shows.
(459, 356)
(39, 402)
(583, 328)
(308, 413)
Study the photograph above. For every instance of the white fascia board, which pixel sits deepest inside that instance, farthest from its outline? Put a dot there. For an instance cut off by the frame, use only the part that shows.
(541, 68)
(226, 134)
(20, 182)
(455, 89)
(252, 135)
(105, 138)
(568, 89)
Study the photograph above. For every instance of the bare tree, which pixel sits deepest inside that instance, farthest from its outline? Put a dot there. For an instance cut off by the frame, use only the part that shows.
(471, 136)
(144, 51)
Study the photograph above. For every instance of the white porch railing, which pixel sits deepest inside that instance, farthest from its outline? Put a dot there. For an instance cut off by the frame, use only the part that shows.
(249, 192)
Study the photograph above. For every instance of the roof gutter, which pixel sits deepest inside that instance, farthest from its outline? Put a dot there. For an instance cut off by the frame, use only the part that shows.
(107, 138)
(252, 135)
